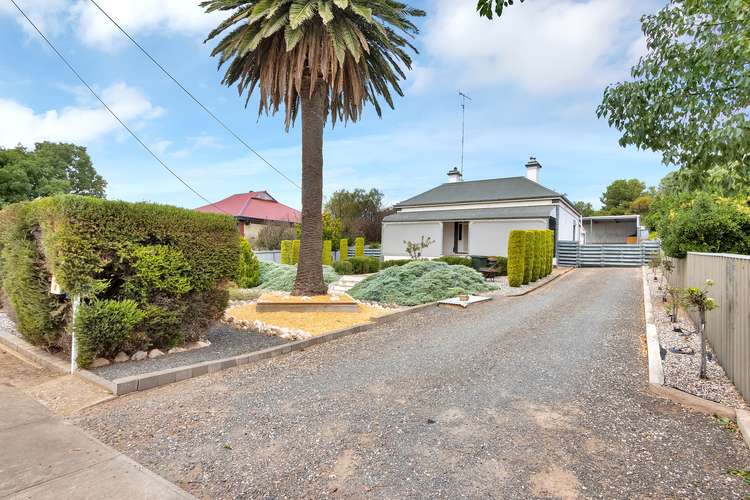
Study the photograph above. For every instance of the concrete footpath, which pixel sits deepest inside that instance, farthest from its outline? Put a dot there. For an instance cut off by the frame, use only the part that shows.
(42, 456)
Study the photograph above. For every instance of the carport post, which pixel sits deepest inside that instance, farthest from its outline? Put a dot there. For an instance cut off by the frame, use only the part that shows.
(73, 339)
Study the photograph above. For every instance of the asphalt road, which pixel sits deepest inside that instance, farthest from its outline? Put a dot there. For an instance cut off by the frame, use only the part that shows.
(535, 396)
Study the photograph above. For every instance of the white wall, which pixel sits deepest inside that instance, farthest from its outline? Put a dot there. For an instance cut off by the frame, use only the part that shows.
(491, 237)
(568, 224)
(395, 233)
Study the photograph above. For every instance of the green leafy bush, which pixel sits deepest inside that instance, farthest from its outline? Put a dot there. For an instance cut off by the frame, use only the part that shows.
(364, 265)
(528, 260)
(359, 247)
(295, 251)
(280, 277)
(455, 261)
(105, 327)
(395, 262)
(327, 254)
(419, 282)
(249, 273)
(343, 267)
(516, 257)
(172, 262)
(286, 252)
(343, 249)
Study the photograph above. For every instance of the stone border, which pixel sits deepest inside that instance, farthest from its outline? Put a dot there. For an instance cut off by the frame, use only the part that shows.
(656, 375)
(567, 270)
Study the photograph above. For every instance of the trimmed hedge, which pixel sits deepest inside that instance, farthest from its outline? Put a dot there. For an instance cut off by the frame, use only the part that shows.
(249, 272)
(172, 263)
(418, 282)
(358, 265)
(395, 262)
(280, 277)
(359, 247)
(295, 251)
(456, 261)
(528, 260)
(540, 251)
(343, 249)
(550, 244)
(327, 254)
(516, 257)
(286, 251)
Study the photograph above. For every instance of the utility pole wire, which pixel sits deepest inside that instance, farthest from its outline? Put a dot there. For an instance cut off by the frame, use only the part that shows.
(190, 94)
(124, 125)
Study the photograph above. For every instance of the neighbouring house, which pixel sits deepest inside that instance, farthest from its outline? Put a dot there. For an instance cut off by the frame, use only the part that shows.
(611, 229)
(253, 210)
(476, 217)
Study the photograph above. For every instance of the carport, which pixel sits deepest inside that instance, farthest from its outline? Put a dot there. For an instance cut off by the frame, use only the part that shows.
(612, 229)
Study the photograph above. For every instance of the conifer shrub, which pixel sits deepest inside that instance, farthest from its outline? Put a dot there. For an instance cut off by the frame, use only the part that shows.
(327, 253)
(516, 257)
(280, 277)
(359, 247)
(295, 251)
(172, 263)
(550, 240)
(418, 282)
(528, 264)
(343, 249)
(249, 272)
(540, 252)
(286, 252)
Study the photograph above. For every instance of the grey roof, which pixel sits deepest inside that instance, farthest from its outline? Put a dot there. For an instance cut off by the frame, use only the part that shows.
(507, 188)
(471, 214)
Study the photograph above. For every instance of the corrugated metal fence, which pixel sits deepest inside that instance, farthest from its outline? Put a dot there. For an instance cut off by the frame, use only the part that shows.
(728, 327)
(574, 254)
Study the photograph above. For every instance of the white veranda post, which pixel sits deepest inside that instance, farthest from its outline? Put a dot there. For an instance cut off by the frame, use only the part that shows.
(74, 340)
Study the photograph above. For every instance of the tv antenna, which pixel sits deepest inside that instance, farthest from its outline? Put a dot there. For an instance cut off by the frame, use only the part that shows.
(464, 98)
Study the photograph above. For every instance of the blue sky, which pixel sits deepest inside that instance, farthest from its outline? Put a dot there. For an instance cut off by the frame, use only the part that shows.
(535, 78)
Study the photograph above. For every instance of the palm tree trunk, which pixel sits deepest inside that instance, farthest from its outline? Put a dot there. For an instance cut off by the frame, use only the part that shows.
(309, 279)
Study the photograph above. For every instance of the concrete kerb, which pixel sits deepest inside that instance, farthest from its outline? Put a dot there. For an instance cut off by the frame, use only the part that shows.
(656, 375)
(563, 273)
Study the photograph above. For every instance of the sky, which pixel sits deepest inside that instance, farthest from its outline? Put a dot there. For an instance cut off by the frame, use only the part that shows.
(535, 77)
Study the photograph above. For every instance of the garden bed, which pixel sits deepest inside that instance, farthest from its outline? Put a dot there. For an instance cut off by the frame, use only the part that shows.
(681, 370)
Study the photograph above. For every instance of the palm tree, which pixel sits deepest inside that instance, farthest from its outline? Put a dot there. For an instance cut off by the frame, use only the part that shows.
(320, 57)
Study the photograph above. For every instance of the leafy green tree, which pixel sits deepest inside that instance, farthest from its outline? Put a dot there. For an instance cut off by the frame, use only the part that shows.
(487, 8)
(641, 205)
(689, 95)
(620, 194)
(360, 212)
(585, 208)
(320, 59)
(48, 169)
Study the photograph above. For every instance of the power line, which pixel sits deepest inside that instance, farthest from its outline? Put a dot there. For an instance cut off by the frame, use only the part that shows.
(190, 94)
(78, 75)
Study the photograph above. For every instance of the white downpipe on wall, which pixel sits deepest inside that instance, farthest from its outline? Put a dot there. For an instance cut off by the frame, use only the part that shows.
(74, 340)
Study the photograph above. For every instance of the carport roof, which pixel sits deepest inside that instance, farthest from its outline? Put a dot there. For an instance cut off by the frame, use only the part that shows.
(532, 212)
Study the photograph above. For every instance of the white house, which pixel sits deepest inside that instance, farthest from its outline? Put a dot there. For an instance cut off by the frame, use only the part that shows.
(476, 217)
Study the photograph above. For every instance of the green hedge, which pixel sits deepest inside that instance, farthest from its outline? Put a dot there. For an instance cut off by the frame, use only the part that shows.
(343, 249)
(327, 254)
(456, 261)
(395, 262)
(172, 262)
(359, 247)
(528, 261)
(286, 251)
(540, 251)
(550, 247)
(249, 272)
(516, 257)
(359, 265)
(295, 251)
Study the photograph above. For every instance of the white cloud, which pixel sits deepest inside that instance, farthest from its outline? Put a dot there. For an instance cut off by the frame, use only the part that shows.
(203, 141)
(543, 47)
(84, 122)
(50, 16)
(141, 16)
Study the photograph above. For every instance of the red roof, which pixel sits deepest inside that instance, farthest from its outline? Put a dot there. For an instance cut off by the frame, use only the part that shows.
(254, 205)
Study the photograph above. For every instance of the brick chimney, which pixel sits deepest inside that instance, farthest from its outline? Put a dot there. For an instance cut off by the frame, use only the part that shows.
(532, 169)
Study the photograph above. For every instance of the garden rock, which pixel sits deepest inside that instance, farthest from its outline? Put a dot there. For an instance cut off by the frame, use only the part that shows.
(155, 353)
(121, 357)
(176, 350)
(139, 356)
(99, 362)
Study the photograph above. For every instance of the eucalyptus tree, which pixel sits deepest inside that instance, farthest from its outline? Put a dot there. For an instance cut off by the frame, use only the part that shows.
(323, 59)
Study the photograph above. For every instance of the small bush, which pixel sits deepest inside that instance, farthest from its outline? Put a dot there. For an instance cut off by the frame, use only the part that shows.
(343, 267)
(419, 282)
(359, 247)
(286, 252)
(456, 261)
(104, 327)
(396, 262)
(327, 254)
(516, 257)
(249, 272)
(244, 293)
(343, 249)
(364, 265)
(295, 251)
(528, 261)
(502, 266)
(280, 277)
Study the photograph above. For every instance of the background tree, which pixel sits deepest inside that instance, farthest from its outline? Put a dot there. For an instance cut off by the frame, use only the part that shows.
(360, 212)
(318, 58)
(585, 208)
(619, 195)
(689, 97)
(487, 8)
(48, 169)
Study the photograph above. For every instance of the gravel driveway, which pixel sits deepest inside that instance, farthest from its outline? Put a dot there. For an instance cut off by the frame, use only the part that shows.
(536, 396)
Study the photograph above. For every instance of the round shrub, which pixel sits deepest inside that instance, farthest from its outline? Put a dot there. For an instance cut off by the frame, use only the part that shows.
(516, 257)
(104, 327)
(249, 272)
(418, 282)
(343, 267)
(280, 277)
